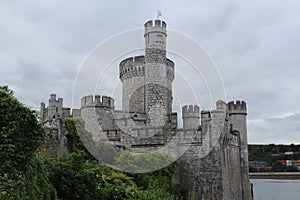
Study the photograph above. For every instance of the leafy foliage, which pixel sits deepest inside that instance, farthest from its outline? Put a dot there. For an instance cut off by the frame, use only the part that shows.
(272, 152)
(23, 174)
(20, 133)
(155, 184)
(143, 162)
(78, 137)
(74, 178)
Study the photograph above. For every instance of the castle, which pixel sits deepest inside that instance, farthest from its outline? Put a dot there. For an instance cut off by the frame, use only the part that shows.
(214, 163)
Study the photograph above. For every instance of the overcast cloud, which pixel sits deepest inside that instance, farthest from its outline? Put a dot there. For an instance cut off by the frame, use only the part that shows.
(255, 45)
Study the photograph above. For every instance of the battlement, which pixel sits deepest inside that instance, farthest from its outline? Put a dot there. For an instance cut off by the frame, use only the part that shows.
(53, 99)
(133, 61)
(133, 66)
(190, 111)
(90, 101)
(156, 26)
(237, 107)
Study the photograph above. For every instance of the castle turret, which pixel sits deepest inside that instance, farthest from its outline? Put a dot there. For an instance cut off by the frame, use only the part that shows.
(190, 117)
(97, 113)
(159, 71)
(132, 71)
(237, 118)
(147, 80)
(55, 108)
(155, 35)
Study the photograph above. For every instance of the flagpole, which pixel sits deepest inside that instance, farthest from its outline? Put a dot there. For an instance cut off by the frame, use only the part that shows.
(158, 14)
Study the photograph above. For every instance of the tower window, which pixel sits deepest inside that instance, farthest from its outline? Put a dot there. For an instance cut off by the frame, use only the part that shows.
(159, 38)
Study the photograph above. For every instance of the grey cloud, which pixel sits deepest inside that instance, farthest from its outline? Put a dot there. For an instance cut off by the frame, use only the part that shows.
(254, 44)
(284, 129)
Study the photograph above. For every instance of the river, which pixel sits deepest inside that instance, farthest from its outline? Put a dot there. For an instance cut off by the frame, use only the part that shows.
(276, 189)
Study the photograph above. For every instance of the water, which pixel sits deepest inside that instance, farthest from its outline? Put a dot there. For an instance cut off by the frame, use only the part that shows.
(275, 189)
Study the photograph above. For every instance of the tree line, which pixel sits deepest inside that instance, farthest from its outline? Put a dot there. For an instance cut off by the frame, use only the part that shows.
(274, 155)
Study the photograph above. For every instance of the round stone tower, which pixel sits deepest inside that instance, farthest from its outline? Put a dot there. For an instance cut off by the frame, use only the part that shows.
(147, 80)
(237, 118)
(132, 71)
(159, 71)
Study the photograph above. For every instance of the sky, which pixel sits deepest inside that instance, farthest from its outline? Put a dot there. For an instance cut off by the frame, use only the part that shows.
(254, 45)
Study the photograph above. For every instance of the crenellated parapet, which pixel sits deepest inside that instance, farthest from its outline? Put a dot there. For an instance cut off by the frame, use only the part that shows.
(237, 107)
(96, 101)
(190, 111)
(53, 100)
(155, 26)
(190, 117)
(133, 66)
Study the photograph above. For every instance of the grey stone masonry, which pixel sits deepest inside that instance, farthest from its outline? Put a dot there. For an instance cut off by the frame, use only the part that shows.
(132, 75)
(237, 117)
(54, 111)
(214, 163)
(159, 71)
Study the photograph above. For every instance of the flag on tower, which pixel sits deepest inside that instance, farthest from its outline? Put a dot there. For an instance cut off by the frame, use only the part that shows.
(158, 13)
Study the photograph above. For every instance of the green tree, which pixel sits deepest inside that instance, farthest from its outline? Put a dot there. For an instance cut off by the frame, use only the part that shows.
(156, 183)
(22, 173)
(74, 178)
(144, 162)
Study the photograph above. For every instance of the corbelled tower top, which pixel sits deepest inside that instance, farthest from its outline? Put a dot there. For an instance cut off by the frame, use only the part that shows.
(155, 34)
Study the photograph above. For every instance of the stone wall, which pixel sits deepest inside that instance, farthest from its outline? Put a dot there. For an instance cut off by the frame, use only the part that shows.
(237, 117)
(201, 176)
(97, 115)
(232, 181)
(132, 71)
